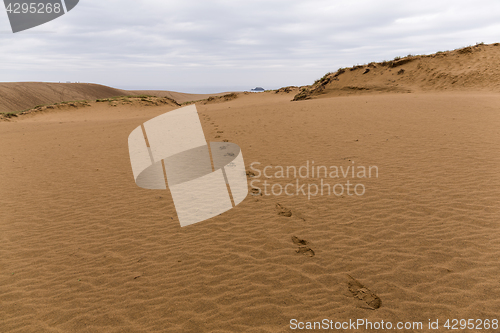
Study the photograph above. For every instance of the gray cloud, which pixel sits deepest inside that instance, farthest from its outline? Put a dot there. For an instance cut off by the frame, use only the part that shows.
(228, 45)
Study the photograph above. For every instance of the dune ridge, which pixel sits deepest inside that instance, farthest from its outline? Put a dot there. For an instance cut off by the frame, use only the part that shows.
(474, 68)
(133, 101)
(179, 97)
(19, 96)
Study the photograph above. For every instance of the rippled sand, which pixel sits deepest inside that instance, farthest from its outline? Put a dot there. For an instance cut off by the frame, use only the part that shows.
(83, 249)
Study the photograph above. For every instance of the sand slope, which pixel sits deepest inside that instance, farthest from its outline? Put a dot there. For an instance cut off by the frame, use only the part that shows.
(17, 96)
(83, 249)
(471, 68)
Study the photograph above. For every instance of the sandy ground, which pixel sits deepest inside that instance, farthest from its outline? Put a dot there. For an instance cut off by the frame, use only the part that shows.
(83, 249)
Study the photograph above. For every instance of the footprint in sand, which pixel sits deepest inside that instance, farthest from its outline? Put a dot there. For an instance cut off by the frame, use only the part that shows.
(250, 174)
(299, 241)
(359, 291)
(303, 249)
(283, 211)
(256, 192)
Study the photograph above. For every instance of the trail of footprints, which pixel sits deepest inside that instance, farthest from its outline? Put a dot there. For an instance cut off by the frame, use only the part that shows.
(216, 127)
(357, 289)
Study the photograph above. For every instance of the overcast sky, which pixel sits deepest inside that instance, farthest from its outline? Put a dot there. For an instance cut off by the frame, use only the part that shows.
(212, 46)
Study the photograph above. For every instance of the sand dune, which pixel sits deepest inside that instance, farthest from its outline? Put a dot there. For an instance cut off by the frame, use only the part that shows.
(474, 68)
(18, 96)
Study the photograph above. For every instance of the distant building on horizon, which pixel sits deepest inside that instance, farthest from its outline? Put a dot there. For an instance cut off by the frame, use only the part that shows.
(258, 89)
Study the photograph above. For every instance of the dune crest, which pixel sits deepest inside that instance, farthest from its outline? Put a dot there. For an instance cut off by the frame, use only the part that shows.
(473, 68)
(16, 96)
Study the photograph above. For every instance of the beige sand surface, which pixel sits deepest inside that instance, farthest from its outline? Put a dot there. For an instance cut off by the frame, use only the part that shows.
(83, 249)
